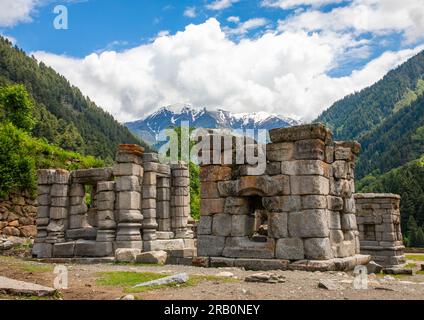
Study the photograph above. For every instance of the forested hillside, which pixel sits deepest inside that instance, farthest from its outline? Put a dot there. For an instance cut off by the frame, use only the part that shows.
(388, 120)
(64, 117)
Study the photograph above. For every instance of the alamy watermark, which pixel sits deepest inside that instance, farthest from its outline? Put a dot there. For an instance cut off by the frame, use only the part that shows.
(60, 22)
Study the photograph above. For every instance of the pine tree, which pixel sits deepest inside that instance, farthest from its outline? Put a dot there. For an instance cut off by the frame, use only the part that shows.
(419, 238)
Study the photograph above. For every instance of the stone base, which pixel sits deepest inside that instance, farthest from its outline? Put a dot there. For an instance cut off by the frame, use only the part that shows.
(129, 244)
(88, 233)
(337, 264)
(385, 256)
(42, 250)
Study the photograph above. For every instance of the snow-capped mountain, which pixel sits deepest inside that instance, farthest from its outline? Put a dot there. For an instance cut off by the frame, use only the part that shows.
(167, 117)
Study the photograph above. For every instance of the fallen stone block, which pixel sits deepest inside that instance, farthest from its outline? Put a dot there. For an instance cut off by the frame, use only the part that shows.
(177, 279)
(154, 257)
(15, 287)
(265, 278)
(126, 255)
(329, 285)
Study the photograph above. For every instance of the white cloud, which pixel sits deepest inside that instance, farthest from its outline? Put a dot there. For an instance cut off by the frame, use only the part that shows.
(246, 26)
(10, 38)
(284, 73)
(233, 19)
(289, 4)
(190, 12)
(221, 4)
(363, 16)
(13, 12)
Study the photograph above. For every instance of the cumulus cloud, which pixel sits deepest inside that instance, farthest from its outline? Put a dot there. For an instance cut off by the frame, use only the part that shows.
(190, 12)
(220, 4)
(289, 4)
(282, 73)
(13, 12)
(244, 27)
(364, 16)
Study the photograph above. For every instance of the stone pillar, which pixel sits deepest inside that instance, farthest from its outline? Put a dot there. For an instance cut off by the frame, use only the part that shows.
(41, 249)
(163, 206)
(58, 222)
(378, 218)
(106, 225)
(180, 199)
(150, 165)
(78, 209)
(128, 174)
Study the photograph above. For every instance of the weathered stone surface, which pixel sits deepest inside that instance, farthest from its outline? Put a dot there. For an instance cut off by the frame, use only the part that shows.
(317, 248)
(313, 149)
(303, 185)
(221, 225)
(282, 203)
(289, 249)
(64, 250)
(91, 176)
(155, 257)
(127, 169)
(42, 250)
(209, 190)
(308, 223)
(335, 203)
(150, 157)
(273, 168)
(59, 201)
(329, 285)
(128, 183)
(243, 247)
(129, 200)
(310, 131)
(106, 196)
(179, 279)
(88, 233)
(15, 287)
(241, 225)
(305, 167)
(212, 206)
(261, 264)
(279, 151)
(348, 222)
(277, 224)
(373, 267)
(263, 185)
(84, 248)
(210, 246)
(237, 206)
(59, 190)
(214, 173)
(58, 176)
(82, 208)
(127, 255)
(265, 278)
(314, 202)
(227, 188)
(204, 226)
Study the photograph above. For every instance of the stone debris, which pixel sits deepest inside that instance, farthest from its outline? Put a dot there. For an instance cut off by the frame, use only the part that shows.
(6, 245)
(329, 285)
(373, 267)
(154, 257)
(266, 278)
(126, 255)
(225, 274)
(15, 287)
(127, 297)
(398, 271)
(177, 279)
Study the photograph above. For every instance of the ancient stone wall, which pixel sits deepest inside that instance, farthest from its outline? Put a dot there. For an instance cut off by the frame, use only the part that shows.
(138, 204)
(18, 213)
(378, 219)
(299, 214)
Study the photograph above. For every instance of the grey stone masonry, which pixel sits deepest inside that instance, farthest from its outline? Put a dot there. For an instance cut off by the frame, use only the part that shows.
(139, 204)
(300, 211)
(378, 219)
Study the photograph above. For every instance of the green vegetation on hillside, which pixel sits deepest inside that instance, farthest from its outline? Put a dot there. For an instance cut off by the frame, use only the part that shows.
(64, 116)
(20, 153)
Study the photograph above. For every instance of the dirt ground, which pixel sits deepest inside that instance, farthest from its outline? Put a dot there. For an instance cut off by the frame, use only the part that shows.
(84, 285)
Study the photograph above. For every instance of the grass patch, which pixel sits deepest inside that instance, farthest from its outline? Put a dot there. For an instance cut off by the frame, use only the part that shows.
(416, 257)
(36, 268)
(127, 280)
(23, 297)
(411, 266)
(26, 266)
(137, 264)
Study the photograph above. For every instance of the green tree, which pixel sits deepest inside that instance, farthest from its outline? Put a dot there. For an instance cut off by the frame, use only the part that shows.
(419, 238)
(17, 107)
(412, 231)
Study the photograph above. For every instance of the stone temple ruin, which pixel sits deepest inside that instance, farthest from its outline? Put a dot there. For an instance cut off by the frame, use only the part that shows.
(139, 203)
(299, 214)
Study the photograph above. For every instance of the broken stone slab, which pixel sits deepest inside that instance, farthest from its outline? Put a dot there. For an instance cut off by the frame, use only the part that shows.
(265, 278)
(6, 245)
(155, 257)
(398, 271)
(126, 255)
(15, 287)
(177, 279)
(225, 274)
(373, 267)
(329, 285)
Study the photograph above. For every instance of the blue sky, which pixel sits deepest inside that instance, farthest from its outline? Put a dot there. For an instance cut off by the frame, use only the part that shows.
(299, 56)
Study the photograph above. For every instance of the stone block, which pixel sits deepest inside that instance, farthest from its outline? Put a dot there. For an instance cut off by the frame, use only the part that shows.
(149, 179)
(42, 250)
(237, 206)
(204, 225)
(329, 154)
(43, 212)
(151, 167)
(289, 249)
(209, 190)
(163, 182)
(64, 250)
(127, 169)
(180, 181)
(261, 264)
(148, 204)
(305, 167)
(335, 203)
(336, 236)
(59, 190)
(303, 185)
(58, 213)
(127, 255)
(221, 225)
(129, 200)
(154, 257)
(242, 225)
(277, 224)
(341, 169)
(180, 191)
(43, 189)
(85, 248)
(243, 247)
(77, 190)
(52, 176)
(163, 210)
(105, 205)
(313, 149)
(210, 246)
(92, 176)
(44, 200)
(75, 201)
(181, 211)
(279, 151)
(163, 194)
(130, 216)
(106, 196)
(343, 154)
(263, 185)
(128, 158)
(180, 173)
(282, 203)
(150, 157)
(212, 206)
(128, 183)
(180, 201)
(87, 233)
(308, 223)
(273, 168)
(317, 249)
(348, 222)
(214, 173)
(314, 202)
(220, 262)
(164, 224)
(309, 131)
